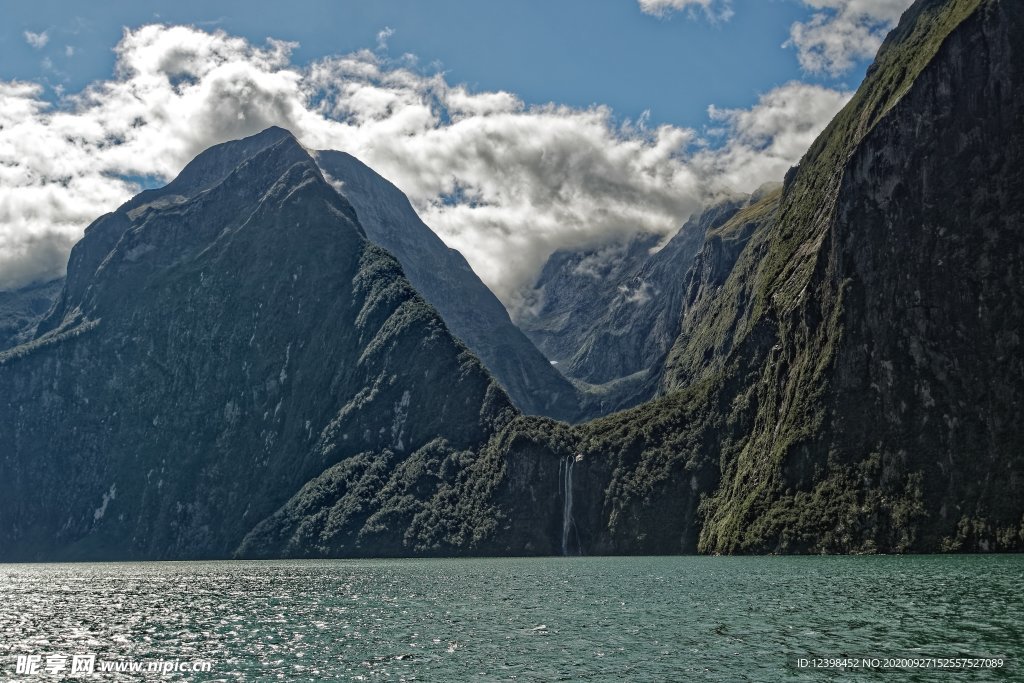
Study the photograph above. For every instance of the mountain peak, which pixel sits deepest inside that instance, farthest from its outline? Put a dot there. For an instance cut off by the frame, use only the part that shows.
(215, 163)
(231, 337)
(445, 279)
(274, 131)
(156, 224)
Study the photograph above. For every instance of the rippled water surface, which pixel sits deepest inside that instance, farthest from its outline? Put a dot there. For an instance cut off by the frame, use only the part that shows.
(639, 619)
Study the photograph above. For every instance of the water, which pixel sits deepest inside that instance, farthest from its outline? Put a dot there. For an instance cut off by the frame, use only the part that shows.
(568, 523)
(576, 618)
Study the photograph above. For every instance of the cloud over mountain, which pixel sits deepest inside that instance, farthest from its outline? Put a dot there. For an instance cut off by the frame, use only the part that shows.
(840, 32)
(837, 34)
(504, 182)
(762, 142)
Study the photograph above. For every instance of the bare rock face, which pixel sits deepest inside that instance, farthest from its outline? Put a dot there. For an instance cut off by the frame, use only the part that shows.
(572, 299)
(22, 309)
(607, 316)
(639, 325)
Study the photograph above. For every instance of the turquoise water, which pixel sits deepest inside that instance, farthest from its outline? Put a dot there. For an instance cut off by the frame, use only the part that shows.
(595, 619)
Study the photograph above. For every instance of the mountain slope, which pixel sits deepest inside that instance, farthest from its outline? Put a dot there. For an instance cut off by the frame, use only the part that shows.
(234, 370)
(219, 343)
(572, 297)
(887, 396)
(22, 309)
(610, 315)
(850, 375)
(445, 279)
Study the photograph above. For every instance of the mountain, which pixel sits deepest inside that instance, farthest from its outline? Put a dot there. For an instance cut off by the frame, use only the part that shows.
(219, 343)
(572, 297)
(879, 311)
(440, 274)
(609, 315)
(709, 315)
(444, 278)
(22, 309)
(849, 375)
(234, 369)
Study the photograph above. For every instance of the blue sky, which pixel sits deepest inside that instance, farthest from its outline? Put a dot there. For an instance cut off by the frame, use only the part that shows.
(574, 52)
(515, 128)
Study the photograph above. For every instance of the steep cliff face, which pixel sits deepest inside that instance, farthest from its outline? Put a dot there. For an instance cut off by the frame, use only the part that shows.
(233, 369)
(849, 372)
(446, 281)
(894, 367)
(218, 344)
(715, 306)
(573, 293)
(927, 249)
(21, 310)
(608, 316)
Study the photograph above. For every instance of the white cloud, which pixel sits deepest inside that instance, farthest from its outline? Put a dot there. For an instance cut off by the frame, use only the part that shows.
(841, 32)
(831, 41)
(503, 182)
(382, 37)
(764, 141)
(713, 9)
(37, 40)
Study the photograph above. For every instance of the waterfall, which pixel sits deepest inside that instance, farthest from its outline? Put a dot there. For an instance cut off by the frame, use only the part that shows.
(567, 521)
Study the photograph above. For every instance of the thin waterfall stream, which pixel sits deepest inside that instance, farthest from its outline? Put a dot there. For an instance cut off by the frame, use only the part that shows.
(567, 521)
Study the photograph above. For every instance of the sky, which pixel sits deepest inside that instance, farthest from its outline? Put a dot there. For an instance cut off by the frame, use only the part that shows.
(515, 128)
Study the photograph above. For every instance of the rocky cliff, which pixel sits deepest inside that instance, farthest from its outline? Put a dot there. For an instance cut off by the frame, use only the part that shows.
(232, 369)
(849, 374)
(22, 309)
(612, 311)
(885, 311)
(609, 315)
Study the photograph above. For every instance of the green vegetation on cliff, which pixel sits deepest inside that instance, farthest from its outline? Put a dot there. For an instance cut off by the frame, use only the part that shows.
(849, 371)
(848, 374)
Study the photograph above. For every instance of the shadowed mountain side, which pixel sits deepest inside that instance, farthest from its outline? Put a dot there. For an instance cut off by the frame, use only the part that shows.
(242, 373)
(238, 338)
(22, 309)
(848, 367)
(445, 279)
(850, 373)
